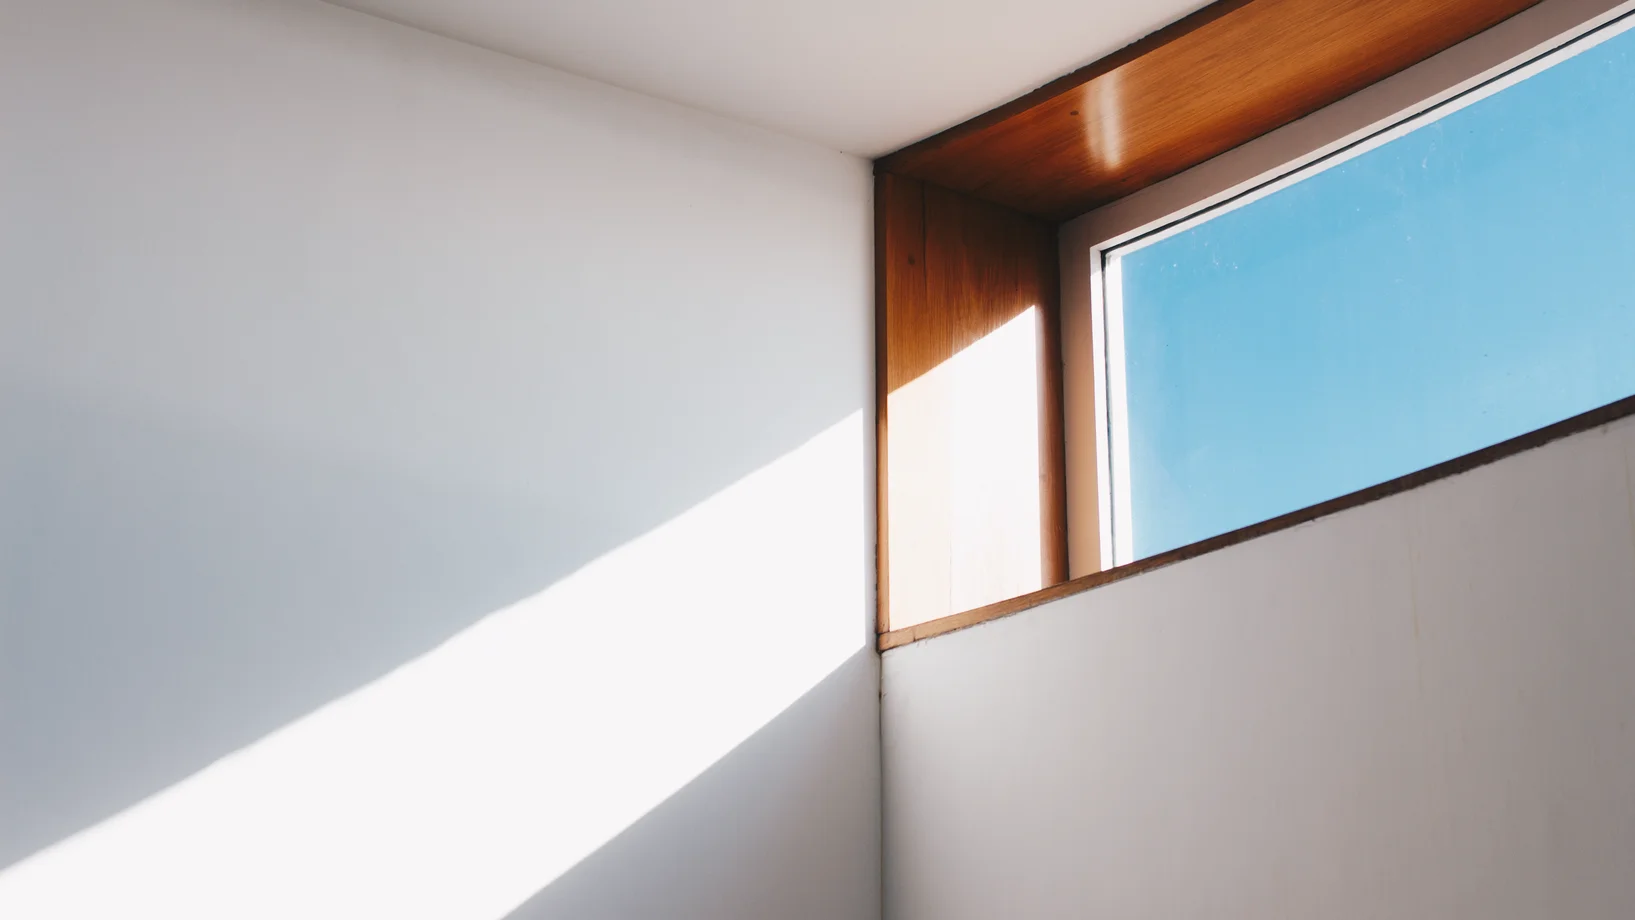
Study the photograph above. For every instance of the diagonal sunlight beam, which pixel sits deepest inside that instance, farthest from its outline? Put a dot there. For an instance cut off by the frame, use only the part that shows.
(467, 780)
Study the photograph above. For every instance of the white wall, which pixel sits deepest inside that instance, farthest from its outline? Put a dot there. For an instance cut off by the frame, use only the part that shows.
(1420, 707)
(430, 485)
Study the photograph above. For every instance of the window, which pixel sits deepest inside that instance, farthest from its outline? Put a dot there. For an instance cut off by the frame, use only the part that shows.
(1458, 279)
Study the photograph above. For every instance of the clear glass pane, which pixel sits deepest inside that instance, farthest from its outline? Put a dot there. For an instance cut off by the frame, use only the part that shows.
(1463, 284)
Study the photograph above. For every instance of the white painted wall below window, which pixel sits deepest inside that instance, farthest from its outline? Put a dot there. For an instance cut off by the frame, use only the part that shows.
(1419, 707)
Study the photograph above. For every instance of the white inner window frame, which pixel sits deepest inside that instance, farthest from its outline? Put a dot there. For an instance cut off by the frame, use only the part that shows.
(1115, 524)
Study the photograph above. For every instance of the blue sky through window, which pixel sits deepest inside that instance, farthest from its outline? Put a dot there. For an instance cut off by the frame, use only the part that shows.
(1460, 285)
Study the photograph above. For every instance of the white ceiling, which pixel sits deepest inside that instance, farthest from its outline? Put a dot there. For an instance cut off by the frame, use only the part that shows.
(863, 76)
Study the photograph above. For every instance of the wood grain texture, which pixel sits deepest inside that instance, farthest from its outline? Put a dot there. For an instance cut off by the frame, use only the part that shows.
(899, 299)
(1217, 79)
(983, 265)
(951, 269)
(1595, 418)
(1052, 435)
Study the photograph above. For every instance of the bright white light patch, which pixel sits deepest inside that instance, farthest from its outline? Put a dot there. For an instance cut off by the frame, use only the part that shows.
(964, 473)
(467, 780)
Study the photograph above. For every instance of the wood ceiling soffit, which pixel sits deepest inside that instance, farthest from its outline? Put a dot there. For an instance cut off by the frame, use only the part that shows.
(1217, 79)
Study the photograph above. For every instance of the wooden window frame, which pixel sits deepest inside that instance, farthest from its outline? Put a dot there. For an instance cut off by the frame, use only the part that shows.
(1114, 504)
(1471, 42)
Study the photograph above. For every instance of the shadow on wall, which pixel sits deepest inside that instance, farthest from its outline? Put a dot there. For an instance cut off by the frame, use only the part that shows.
(172, 594)
(415, 466)
(173, 599)
(795, 782)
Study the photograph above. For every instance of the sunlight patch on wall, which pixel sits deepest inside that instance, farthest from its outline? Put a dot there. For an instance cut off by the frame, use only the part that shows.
(964, 473)
(467, 780)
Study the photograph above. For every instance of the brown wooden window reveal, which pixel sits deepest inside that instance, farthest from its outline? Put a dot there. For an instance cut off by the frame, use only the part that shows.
(972, 478)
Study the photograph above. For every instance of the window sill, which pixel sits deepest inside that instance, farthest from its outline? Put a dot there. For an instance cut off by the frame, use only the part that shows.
(1595, 418)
